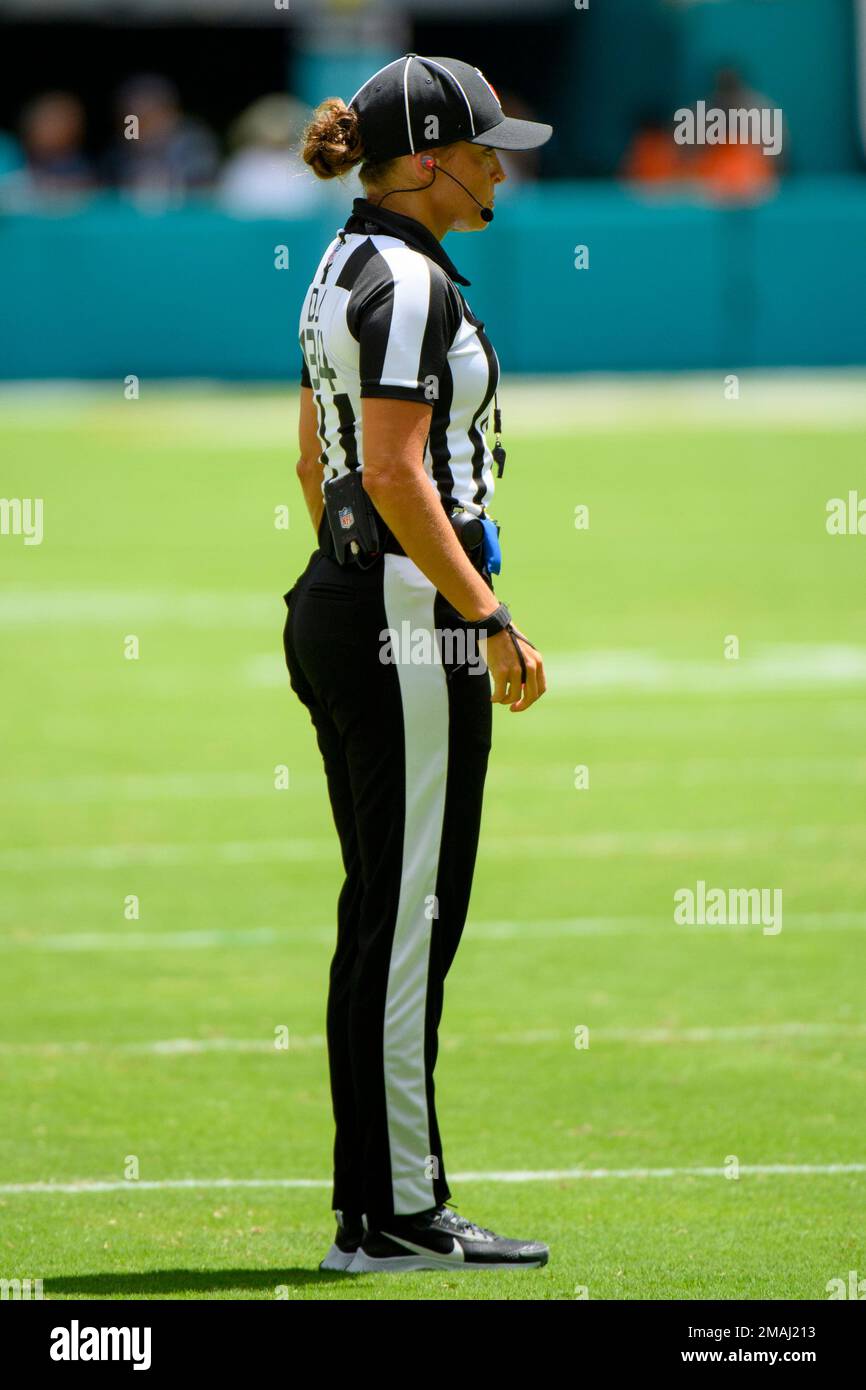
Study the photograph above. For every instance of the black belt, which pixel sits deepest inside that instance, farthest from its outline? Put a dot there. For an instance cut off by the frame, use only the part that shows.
(388, 542)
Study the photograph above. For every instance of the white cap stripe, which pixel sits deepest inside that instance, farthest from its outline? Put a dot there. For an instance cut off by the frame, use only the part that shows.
(406, 100)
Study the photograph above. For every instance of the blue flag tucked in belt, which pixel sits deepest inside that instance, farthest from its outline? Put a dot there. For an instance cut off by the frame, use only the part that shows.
(492, 548)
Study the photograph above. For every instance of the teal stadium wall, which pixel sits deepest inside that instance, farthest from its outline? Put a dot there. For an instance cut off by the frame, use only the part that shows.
(107, 291)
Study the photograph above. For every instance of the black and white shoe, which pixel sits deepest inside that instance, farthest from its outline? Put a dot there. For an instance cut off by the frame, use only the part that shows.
(442, 1240)
(350, 1232)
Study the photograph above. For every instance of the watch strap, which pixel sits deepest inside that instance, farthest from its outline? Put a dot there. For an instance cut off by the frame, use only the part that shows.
(497, 621)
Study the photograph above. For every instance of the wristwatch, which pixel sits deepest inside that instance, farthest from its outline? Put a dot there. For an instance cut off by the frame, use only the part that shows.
(500, 621)
(497, 621)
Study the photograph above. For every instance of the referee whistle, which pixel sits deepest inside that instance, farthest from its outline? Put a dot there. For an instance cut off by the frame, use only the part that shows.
(498, 451)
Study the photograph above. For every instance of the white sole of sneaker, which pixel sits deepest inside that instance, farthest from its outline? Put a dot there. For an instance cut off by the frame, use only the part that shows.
(338, 1259)
(363, 1263)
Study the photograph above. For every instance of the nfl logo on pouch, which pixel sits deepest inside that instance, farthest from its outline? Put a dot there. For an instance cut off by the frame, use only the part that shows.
(347, 518)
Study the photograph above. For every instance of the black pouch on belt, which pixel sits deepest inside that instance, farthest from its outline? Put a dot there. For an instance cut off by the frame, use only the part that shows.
(351, 517)
(470, 532)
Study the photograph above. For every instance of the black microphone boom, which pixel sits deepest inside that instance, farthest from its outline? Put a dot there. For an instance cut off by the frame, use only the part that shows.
(486, 213)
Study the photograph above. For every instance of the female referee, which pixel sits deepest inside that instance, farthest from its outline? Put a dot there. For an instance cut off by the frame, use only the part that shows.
(397, 383)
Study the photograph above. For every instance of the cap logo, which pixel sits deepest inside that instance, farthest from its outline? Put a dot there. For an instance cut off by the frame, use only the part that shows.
(490, 85)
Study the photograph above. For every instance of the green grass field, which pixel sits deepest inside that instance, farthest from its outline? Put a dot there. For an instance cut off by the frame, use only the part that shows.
(152, 1038)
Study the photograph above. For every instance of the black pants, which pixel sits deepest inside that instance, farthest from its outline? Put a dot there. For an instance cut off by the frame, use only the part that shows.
(405, 747)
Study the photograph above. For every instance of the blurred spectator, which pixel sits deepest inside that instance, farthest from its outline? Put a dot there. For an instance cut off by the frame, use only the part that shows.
(653, 156)
(264, 174)
(164, 151)
(731, 92)
(735, 173)
(52, 134)
(738, 171)
(732, 171)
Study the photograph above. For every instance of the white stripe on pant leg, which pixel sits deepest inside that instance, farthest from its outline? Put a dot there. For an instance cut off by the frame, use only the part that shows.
(409, 596)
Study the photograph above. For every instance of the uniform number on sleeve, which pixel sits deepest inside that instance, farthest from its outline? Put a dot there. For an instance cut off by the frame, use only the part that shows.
(317, 360)
(315, 305)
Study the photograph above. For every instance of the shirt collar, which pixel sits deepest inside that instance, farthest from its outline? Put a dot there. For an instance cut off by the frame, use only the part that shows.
(408, 229)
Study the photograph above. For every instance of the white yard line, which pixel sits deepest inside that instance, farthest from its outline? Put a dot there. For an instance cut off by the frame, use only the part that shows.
(182, 786)
(189, 1047)
(788, 667)
(141, 786)
(505, 930)
(22, 606)
(601, 844)
(588, 401)
(780, 667)
(230, 418)
(587, 674)
(515, 1176)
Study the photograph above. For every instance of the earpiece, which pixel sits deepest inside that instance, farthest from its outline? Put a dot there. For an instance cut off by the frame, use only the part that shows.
(428, 162)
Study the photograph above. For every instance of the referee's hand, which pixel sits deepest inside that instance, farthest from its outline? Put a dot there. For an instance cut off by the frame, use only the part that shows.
(504, 666)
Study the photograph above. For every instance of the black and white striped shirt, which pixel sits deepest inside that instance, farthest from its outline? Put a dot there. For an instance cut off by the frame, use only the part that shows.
(383, 317)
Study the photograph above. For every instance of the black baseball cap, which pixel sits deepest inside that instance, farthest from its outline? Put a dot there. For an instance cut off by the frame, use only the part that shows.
(396, 104)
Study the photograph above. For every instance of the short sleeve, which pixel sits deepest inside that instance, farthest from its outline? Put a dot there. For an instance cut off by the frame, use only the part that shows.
(405, 320)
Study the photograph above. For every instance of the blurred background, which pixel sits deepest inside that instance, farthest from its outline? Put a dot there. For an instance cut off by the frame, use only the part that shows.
(156, 255)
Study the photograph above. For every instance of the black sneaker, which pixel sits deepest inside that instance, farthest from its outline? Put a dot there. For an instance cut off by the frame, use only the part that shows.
(442, 1240)
(351, 1229)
